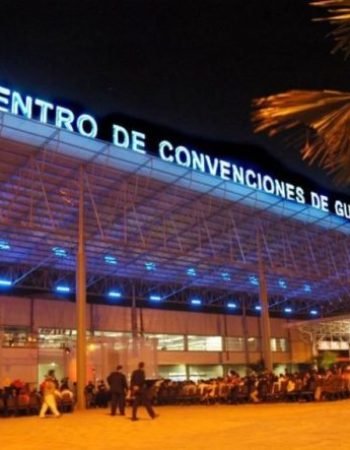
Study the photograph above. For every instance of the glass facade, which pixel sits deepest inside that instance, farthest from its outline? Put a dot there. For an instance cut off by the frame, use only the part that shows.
(59, 338)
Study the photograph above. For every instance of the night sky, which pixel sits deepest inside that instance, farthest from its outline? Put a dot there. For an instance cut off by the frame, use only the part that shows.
(184, 68)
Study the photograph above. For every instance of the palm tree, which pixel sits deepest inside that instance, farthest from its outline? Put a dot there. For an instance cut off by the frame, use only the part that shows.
(324, 116)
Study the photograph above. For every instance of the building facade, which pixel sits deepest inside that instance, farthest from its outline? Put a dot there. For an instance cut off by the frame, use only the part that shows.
(40, 334)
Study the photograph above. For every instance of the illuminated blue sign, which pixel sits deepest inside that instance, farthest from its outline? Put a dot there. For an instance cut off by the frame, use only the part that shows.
(132, 140)
(27, 106)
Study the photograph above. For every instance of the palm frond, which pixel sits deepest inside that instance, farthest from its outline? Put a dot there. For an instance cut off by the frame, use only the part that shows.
(325, 114)
(339, 16)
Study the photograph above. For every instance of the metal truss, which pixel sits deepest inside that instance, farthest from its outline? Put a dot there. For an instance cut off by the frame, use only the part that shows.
(331, 329)
(168, 230)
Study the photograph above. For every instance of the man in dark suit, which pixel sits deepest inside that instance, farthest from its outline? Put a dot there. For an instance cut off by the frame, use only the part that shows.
(139, 390)
(118, 388)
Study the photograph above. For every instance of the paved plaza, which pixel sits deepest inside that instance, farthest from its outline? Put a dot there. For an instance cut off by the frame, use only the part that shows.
(312, 426)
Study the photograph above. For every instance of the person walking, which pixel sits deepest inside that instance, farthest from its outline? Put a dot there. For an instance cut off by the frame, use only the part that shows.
(139, 391)
(49, 390)
(118, 387)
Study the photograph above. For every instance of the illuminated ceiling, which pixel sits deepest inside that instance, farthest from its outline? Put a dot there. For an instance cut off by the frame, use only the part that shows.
(165, 230)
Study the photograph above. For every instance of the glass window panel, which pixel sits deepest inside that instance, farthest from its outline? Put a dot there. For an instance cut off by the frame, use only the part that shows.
(279, 344)
(17, 337)
(173, 372)
(112, 334)
(205, 372)
(234, 344)
(273, 343)
(205, 343)
(333, 345)
(253, 344)
(168, 342)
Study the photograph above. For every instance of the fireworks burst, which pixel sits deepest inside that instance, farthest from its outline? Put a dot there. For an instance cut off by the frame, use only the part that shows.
(339, 16)
(324, 115)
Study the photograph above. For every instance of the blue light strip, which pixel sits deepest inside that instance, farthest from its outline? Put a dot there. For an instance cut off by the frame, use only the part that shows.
(4, 245)
(63, 289)
(114, 294)
(110, 260)
(196, 301)
(253, 280)
(191, 271)
(60, 252)
(307, 288)
(231, 305)
(226, 276)
(282, 284)
(150, 266)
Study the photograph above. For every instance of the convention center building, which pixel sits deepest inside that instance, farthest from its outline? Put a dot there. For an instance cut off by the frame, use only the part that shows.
(112, 251)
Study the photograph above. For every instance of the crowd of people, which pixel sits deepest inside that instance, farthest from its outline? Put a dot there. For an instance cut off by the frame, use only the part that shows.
(16, 398)
(310, 385)
(56, 397)
(19, 398)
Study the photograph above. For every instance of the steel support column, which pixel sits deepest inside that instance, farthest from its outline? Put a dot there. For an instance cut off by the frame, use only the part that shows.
(264, 318)
(314, 348)
(290, 349)
(245, 332)
(134, 328)
(81, 300)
